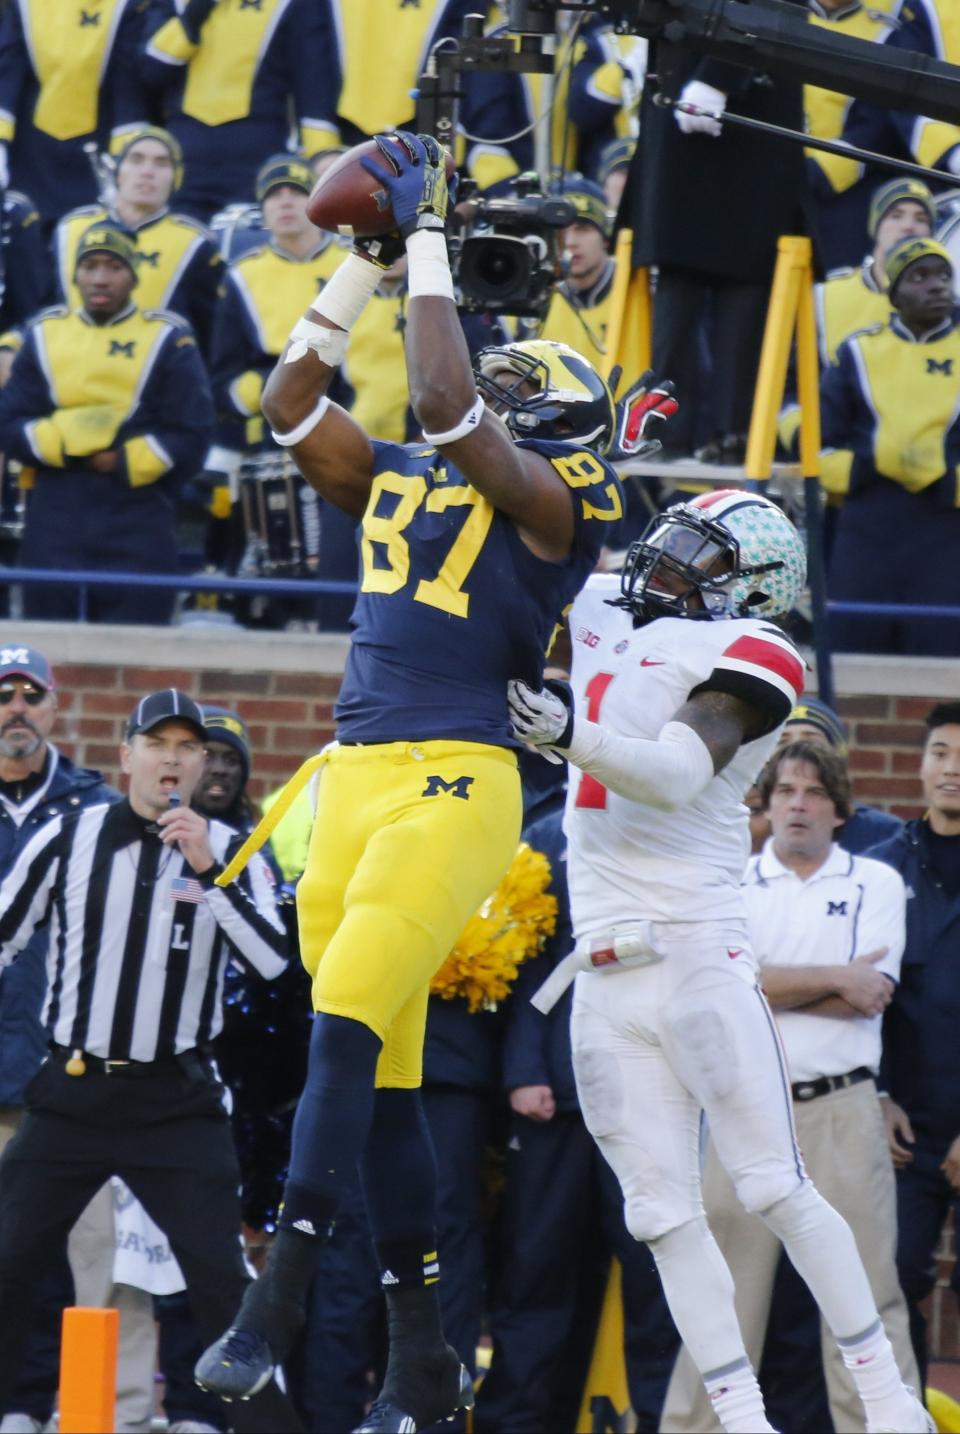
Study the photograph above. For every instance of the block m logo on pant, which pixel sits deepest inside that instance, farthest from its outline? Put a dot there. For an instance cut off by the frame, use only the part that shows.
(456, 788)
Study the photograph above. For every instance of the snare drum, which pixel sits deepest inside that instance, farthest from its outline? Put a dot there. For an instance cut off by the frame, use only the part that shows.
(281, 517)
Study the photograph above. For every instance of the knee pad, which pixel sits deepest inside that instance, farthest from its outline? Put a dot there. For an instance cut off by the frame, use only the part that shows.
(795, 1215)
(652, 1220)
(343, 1053)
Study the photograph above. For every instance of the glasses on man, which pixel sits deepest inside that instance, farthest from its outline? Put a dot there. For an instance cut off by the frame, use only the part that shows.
(31, 695)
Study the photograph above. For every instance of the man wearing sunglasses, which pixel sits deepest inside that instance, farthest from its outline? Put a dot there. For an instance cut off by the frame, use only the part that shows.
(36, 782)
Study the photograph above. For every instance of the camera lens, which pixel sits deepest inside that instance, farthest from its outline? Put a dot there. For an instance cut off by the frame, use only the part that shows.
(495, 269)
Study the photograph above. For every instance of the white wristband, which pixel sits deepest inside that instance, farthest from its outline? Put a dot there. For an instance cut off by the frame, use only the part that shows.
(468, 424)
(344, 296)
(329, 345)
(428, 276)
(305, 426)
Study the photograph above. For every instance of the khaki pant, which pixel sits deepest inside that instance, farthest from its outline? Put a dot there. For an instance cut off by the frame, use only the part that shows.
(845, 1150)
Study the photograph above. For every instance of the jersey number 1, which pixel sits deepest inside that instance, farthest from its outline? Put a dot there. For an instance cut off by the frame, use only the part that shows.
(590, 792)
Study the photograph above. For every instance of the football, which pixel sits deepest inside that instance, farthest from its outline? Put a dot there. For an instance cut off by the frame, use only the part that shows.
(348, 200)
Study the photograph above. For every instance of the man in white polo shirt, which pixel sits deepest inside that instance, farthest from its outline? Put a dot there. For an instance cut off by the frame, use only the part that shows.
(828, 931)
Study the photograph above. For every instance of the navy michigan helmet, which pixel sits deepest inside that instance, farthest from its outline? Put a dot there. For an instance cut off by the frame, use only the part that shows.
(736, 550)
(544, 389)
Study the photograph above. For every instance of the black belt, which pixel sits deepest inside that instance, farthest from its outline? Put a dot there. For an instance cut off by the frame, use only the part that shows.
(187, 1061)
(823, 1085)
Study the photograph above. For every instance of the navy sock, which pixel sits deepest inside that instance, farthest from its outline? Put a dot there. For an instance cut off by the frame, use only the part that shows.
(399, 1174)
(332, 1121)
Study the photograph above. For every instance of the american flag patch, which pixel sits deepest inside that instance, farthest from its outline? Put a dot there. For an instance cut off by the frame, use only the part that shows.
(184, 888)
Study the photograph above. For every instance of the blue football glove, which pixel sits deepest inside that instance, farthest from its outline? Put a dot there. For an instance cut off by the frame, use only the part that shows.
(542, 719)
(415, 179)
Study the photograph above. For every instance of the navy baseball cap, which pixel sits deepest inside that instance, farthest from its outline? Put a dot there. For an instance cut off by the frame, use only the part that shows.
(160, 707)
(18, 660)
(813, 712)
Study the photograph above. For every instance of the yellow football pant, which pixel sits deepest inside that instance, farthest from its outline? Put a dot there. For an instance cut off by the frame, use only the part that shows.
(409, 840)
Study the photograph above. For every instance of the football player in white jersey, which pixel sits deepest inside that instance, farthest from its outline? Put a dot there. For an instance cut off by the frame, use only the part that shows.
(680, 684)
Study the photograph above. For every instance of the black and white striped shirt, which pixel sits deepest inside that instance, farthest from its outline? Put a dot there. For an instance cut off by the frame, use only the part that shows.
(138, 942)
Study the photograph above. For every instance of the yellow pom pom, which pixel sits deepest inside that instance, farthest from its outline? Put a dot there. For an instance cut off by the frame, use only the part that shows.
(510, 927)
(76, 1065)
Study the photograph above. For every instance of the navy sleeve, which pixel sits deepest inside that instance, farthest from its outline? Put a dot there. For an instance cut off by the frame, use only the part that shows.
(26, 398)
(176, 415)
(15, 70)
(28, 267)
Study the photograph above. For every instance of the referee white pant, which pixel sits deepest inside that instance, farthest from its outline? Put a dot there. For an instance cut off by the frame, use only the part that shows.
(845, 1148)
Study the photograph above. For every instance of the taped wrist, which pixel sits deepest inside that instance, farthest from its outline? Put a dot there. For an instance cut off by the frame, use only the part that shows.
(428, 274)
(345, 294)
(666, 773)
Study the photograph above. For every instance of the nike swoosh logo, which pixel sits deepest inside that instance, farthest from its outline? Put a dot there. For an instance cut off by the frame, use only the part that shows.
(651, 662)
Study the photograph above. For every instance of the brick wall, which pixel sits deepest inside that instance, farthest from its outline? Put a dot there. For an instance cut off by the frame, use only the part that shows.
(290, 716)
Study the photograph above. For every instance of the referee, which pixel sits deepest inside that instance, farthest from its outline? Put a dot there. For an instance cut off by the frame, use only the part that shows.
(139, 939)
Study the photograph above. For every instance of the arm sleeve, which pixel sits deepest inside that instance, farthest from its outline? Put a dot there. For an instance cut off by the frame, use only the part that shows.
(247, 914)
(667, 773)
(125, 96)
(928, 140)
(15, 69)
(203, 280)
(25, 894)
(883, 918)
(762, 668)
(170, 40)
(315, 86)
(29, 270)
(173, 431)
(27, 432)
(837, 407)
(235, 357)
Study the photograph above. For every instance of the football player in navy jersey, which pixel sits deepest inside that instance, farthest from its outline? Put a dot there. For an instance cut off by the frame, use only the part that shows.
(472, 544)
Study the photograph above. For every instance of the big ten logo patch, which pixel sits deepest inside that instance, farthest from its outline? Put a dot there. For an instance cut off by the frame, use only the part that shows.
(459, 787)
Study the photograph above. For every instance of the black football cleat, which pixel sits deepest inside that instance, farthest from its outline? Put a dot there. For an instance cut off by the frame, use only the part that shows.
(236, 1367)
(385, 1417)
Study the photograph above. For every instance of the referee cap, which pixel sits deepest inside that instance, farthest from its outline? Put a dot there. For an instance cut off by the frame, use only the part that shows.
(812, 712)
(160, 707)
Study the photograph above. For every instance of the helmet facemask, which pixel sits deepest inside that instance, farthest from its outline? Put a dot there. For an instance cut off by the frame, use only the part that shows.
(571, 402)
(683, 553)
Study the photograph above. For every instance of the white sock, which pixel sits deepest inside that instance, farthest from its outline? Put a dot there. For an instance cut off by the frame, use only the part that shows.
(736, 1399)
(873, 1369)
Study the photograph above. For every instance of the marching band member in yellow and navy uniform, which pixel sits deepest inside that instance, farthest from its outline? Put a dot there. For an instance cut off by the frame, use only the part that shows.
(225, 73)
(68, 76)
(178, 266)
(378, 49)
(472, 543)
(838, 185)
(580, 306)
(929, 27)
(892, 450)
(110, 405)
(854, 299)
(262, 293)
